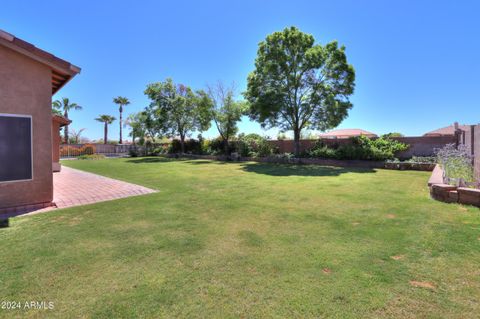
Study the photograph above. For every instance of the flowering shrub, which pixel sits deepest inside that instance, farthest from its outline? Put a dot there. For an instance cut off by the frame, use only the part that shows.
(456, 163)
(70, 150)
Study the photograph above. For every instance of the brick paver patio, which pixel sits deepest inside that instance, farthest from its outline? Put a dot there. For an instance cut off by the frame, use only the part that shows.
(72, 187)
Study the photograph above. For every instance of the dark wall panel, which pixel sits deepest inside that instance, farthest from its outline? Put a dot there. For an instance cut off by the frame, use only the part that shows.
(15, 148)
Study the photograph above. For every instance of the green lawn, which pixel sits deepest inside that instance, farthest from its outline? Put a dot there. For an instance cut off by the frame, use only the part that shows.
(248, 240)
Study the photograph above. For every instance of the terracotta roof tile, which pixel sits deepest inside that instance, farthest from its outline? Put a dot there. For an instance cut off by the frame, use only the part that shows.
(447, 130)
(346, 133)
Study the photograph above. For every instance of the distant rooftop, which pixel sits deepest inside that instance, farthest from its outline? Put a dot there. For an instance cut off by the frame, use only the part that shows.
(347, 133)
(447, 130)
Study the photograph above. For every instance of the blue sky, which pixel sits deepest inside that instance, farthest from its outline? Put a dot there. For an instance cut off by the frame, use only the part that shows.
(417, 62)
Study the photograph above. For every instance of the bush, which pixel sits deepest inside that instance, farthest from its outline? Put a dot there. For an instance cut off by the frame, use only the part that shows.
(456, 163)
(91, 157)
(192, 146)
(253, 145)
(283, 156)
(321, 150)
(423, 159)
(361, 148)
(216, 147)
(89, 149)
(162, 149)
(71, 150)
(133, 152)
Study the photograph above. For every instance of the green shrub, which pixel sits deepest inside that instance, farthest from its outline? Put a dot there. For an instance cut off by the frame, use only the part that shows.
(322, 152)
(216, 147)
(91, 157)
(283, 156)
(360, 148)
(133, 152)
(253, 145)
(192, 146)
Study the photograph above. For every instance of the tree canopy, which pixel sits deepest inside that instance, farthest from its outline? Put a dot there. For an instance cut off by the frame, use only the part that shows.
(298, 84)
(137, 124)
(176, 110)
(225, 111)
(106, 120)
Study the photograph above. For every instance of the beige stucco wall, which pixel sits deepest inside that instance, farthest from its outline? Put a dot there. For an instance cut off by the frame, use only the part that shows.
(25, 88)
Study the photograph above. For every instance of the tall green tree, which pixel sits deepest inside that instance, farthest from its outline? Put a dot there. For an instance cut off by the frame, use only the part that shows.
(298, 84)
(176, 110)
(106, 120)
(121, 102)
(137, 124)
(226, 111)
(64, 105)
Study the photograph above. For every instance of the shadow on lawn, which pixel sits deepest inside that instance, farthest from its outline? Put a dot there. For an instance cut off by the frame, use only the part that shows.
(301, 170)
(154, 159)
(158, 159)
(272, 169)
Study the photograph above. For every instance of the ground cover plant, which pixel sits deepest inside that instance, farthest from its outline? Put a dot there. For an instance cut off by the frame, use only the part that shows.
(456, 163)
(249, 240)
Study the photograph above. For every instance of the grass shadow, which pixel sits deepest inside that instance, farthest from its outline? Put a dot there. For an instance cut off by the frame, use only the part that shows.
(161, 159)
(301, 170)
(200, 162)
(154, 159)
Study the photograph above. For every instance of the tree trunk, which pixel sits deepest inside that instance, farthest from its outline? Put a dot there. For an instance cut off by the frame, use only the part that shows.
(133, 138)
(225, 145)
(296, 140)
(182, 143)
(120, 127)
(65, 130)
(105, 133)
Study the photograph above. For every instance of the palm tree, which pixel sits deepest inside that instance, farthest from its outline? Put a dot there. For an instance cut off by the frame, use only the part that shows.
(65, 106)
(121, 101)
(105, 119)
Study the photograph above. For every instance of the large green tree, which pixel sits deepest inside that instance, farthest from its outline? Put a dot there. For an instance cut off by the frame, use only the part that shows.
(121, 101)
(298, 84)
(64, 105)
(106, 120)
(176, 110)
(137, 124)
(226, 112)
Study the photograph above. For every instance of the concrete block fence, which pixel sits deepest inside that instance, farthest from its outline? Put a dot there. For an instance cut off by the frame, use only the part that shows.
(418, 145)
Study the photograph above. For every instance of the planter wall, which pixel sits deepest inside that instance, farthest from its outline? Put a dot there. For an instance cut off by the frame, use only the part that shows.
(450, 193)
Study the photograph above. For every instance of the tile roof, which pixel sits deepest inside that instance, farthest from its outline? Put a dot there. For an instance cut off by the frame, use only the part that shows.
(61, 119)
(447, 130)
(346, 133)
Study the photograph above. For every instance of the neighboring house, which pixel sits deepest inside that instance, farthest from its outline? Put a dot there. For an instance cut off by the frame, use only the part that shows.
(58, 122)
(28, 79)
(347, 133)
(448, 130)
